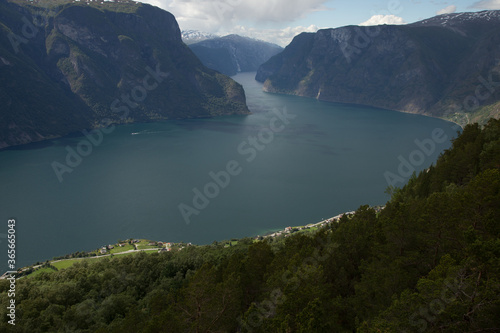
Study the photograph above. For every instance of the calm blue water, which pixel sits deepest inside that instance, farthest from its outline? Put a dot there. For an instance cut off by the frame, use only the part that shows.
(329, 159)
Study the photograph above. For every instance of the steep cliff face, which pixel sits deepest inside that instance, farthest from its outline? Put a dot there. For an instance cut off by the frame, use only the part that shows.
(232, 54)
(432, 67)
(69, 66)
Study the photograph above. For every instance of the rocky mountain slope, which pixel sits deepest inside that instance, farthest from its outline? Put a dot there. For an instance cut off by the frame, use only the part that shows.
(67, 66)
(232, 54)
(447, 66)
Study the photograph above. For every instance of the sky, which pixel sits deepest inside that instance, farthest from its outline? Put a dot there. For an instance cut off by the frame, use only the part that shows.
(278, 21)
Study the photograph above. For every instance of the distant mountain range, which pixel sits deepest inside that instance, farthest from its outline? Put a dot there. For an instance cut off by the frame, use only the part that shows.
(195, 36)
(447, 66)
(233, 54)
(68, 66)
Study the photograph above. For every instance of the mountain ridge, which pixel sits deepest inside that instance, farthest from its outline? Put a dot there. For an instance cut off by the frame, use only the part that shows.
(424, 68)
(233, 53)
(87, 65)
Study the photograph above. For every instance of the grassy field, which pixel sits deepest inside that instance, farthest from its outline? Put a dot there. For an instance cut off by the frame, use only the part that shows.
(41, 270)
(144, 244)
(118, 249)
(66, 263)
(69, 262)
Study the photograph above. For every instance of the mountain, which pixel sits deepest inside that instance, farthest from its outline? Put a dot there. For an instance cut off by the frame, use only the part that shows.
(233, 54)
(463, 22)
(447, 66)
(195, 36)
(68, 66)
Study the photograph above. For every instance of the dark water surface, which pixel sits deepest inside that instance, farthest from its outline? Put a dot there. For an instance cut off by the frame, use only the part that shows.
(328, 159)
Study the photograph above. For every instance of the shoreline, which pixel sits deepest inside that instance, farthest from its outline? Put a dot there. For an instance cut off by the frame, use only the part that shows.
(276, 233)
(46, 141)
(371, 106)
(287, 230)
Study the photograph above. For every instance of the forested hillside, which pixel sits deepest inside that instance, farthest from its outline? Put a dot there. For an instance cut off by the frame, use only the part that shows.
(428, 262)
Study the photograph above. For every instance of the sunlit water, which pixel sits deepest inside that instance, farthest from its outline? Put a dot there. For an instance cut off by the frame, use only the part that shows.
(330, 158)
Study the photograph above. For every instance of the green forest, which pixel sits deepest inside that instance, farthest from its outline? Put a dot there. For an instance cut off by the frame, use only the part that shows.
(428, 262)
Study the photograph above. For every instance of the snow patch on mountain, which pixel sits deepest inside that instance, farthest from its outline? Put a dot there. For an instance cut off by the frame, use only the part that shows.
(195, 36)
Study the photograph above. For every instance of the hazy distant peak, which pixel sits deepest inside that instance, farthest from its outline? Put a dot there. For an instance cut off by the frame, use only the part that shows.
(238, 38)
(208, 38)
(233, 53)
(195, 36)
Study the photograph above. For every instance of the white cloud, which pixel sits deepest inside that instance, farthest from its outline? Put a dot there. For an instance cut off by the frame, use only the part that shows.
(282, 37)
(486, 4)
(447, 10)
(210, 15)
(384, 19)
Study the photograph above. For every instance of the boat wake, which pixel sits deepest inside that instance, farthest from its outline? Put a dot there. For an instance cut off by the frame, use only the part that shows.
(146, 132)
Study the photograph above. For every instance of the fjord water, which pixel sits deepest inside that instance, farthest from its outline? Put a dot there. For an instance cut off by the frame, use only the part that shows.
(330, 158)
